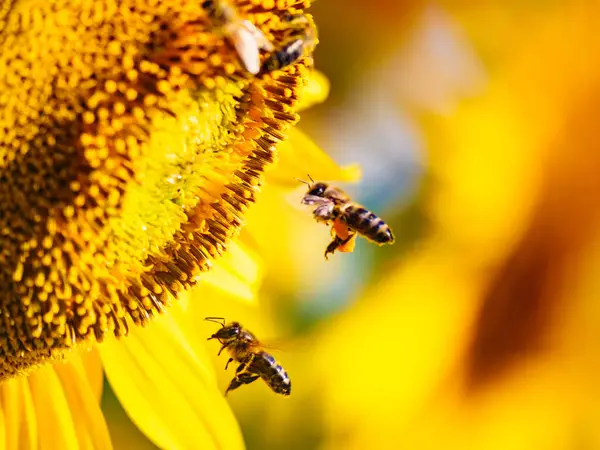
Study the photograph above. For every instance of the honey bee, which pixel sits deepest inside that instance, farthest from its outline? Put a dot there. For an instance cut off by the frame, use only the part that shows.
(247, 39)
(301, 39)
(347, 218)
(254, 361)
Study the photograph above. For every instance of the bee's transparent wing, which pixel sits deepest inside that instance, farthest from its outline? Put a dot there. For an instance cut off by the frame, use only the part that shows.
(247, 49)
(270, 345)
(314, 200)
(260, 39)
(324, 210)
(280, 344)
(248, 40)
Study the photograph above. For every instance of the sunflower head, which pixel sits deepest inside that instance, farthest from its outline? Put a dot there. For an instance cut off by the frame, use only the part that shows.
(132, 139)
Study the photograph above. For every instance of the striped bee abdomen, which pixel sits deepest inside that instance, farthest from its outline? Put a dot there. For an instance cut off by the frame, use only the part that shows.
(271, 372)
(367, 224)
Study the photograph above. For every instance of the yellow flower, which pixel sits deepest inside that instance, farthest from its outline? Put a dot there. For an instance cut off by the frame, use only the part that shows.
(132, 142)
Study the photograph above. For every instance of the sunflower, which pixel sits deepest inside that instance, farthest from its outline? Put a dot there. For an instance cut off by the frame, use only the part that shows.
(132, 142)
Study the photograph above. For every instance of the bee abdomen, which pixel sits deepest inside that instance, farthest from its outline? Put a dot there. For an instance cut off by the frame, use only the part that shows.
(288, 55)
(368, 224)
(273, 374)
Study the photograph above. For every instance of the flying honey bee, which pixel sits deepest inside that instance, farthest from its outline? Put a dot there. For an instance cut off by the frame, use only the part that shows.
(255, 363)
(247, 39)
(347, 218)
(301, 39)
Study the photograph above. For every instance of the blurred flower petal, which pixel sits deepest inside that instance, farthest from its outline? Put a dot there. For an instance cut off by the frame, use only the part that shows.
(237, 273)
(316, 91)
(300, 156)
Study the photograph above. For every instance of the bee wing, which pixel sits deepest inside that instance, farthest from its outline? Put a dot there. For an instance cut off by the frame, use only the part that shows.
(281, 344)
(299, 200)
(245, 44)
(272, 346)
(284, 344)
(260, 39)
(324, 210)
(313, 200)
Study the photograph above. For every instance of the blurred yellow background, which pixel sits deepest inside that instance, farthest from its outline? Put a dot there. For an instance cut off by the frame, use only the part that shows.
(476, 129)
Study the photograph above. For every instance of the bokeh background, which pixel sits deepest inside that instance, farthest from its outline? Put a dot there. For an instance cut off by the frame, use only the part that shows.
(476, 127)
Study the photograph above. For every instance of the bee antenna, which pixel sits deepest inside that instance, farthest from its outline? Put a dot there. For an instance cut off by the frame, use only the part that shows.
(302, 181)
(219, 320)
(310, 178)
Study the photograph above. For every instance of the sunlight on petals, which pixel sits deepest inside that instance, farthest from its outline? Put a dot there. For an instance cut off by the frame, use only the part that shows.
(237, 272)
(300, 156)
(174, 400)
(93, 371)
(21, 424)
(90, 426)
(55, 423)
(3, 428)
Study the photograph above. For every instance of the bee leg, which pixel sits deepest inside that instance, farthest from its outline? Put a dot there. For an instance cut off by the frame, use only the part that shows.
(228, 362)
(321, 219)
(244, 364)
(333, 246)
(349, 244)
(337, 242)
(235, 383)
(222, 348)
(240, 379)
(242, 376)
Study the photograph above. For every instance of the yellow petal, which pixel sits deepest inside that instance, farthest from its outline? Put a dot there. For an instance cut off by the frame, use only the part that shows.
(3, 430)
(237, 272)
(54, 408)
(82, 397)
(55, 423)
(19, 425)
(162, 376)
(299, 156)
(316, 91)
(93, 370)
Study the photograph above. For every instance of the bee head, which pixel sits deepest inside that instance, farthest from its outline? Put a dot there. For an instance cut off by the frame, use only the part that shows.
(318, 192)
(317, 189)
(229, 332)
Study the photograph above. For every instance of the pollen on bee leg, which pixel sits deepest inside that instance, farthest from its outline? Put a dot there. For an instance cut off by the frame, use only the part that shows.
(348, 246)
